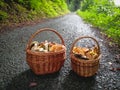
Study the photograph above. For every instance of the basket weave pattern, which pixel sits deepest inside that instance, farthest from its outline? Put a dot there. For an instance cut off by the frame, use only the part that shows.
(45, 63)
(85, 68)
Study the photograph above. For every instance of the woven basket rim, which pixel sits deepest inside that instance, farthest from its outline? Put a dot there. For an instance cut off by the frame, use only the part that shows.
(84, 61)
(44, 53)
(73, 44)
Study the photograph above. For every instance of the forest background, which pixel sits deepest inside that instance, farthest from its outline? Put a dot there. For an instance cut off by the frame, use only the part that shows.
(103, 14)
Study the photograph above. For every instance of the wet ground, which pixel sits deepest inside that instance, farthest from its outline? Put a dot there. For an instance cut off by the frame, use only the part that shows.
(15, 74)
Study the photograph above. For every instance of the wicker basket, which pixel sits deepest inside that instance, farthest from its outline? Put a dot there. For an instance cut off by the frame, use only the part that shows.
(45, 63)
(85, 68)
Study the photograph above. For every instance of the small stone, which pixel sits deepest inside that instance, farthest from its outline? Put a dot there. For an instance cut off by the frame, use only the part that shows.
(99, 86)
(109, 63)
(114, 82)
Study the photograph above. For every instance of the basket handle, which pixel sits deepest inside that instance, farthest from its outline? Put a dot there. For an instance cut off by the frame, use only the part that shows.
(73, 44)
(41, 30)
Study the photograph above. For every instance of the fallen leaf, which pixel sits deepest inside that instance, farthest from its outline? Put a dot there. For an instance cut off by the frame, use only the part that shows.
(118, 69)
(32, 84)
(109, 63)
(113, 69)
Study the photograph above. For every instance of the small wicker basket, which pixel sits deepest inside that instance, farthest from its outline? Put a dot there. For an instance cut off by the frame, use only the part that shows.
(84, 68)
(45, 63)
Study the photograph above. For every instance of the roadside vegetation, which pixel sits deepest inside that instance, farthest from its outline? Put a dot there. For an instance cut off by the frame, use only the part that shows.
(104, 15)
(18, 11)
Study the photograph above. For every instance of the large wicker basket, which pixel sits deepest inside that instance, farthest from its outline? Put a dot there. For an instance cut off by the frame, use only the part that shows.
(85, 68)
(45, 63)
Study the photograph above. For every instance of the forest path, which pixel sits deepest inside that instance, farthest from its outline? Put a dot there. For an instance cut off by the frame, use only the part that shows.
(15, 74)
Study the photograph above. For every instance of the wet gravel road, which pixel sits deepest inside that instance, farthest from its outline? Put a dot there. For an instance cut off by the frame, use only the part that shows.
(15, 74)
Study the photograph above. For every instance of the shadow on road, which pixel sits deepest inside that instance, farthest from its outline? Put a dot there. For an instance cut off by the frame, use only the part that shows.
(23, 81)
(75, 82)
(50, 82)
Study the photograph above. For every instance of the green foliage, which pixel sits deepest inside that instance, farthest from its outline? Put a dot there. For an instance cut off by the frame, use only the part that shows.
(103, 14)
(85, 4)
(25, 10)
(73, 5)
(51, 8)
(48, 10)
(1, 3)
(3, 15)
(34, 4)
